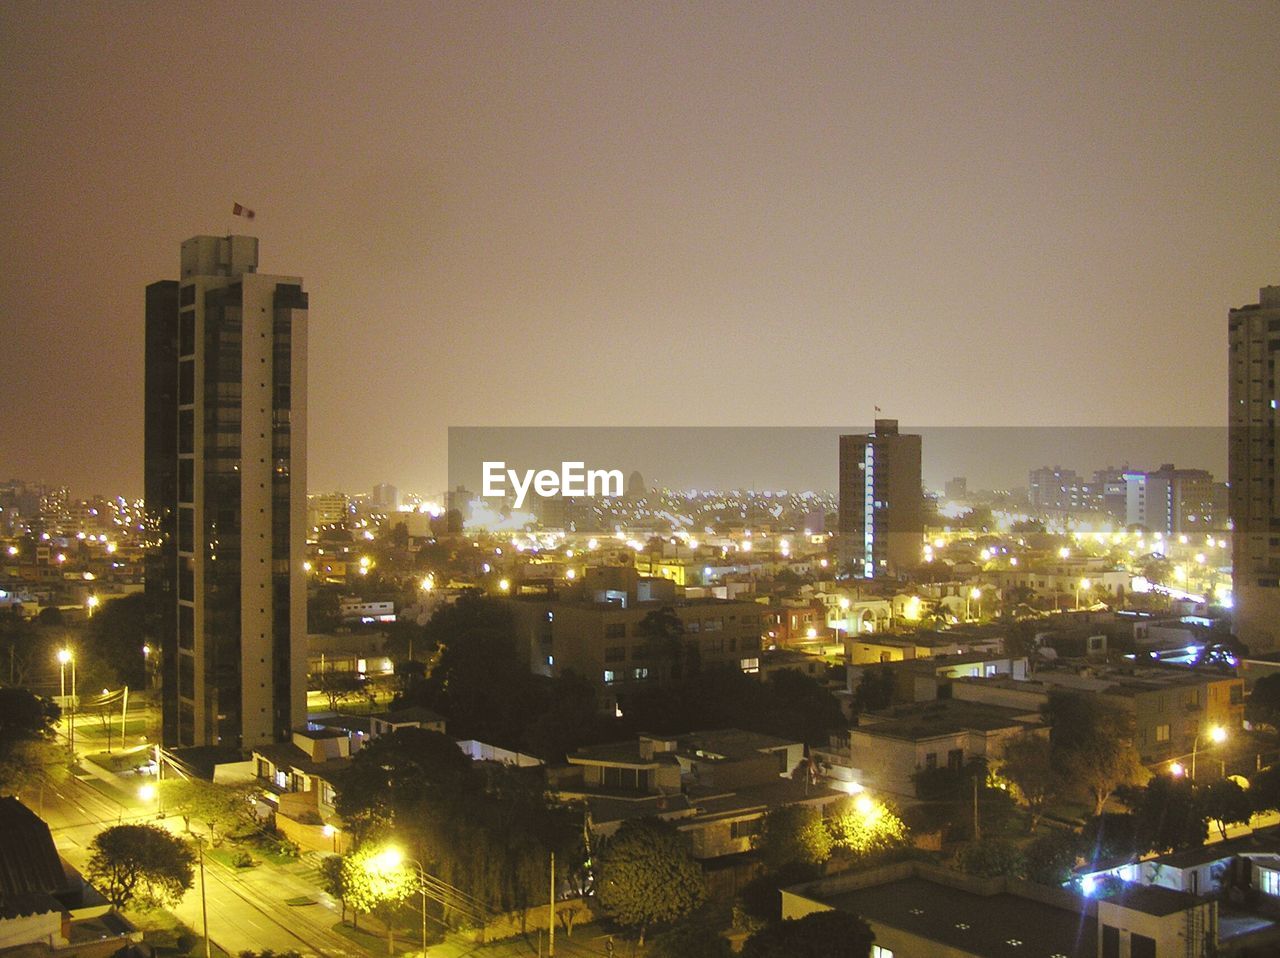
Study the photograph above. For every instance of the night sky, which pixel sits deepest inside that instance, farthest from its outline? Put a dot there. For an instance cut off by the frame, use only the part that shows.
(641, 214)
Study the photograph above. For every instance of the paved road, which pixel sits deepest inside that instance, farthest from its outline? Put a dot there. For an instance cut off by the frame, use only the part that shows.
(246, 909)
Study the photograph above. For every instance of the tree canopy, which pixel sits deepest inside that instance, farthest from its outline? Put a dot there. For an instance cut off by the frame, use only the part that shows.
(141, 865)
(648, 876)
(27, 747)
(823, 934)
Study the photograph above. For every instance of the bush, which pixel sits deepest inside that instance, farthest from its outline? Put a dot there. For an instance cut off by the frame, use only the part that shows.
(242, 859)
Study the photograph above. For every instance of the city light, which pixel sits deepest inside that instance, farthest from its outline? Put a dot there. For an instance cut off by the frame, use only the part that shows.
(1176, 769)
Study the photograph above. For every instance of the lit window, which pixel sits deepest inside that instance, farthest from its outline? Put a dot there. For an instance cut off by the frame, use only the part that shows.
(610, 676)
(879, 951)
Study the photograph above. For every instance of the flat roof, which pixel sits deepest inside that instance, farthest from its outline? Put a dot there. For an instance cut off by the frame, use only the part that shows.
(944, 717)
(994, 926)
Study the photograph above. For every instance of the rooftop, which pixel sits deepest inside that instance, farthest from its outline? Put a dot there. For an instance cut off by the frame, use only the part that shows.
(998, 926)
(943, 717)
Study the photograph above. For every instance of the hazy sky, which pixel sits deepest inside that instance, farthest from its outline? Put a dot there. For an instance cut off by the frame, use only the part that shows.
(641, 214)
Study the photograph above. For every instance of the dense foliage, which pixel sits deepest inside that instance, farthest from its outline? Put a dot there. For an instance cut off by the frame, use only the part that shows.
(140, 865)
(648, 876)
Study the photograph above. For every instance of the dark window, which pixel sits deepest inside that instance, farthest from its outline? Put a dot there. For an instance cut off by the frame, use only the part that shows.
(186, 530)
(1110, 941)
(187, 676)
(955, 759)
(1140, 946)
(746, 829)
(186, 480)
(615, 653)
(186, 580)
(627, 778)
(1237, 695)
(186, 627)
(615, 630)
(186, 382)
(187, 333)
(186, 431)
(931, 760)
(187, 295)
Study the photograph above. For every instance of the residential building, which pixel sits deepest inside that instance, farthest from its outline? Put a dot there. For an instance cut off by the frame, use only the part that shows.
(928, 678)
(887, 749)
(1174, 709)
(881, 510)
(715, 786)
(1253, 396)
(918, 909)
(225, 471)
(603, 629)
(1170, 501)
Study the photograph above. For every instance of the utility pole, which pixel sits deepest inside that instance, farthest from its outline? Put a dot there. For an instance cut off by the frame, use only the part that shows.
(977, 824)
(551, 925)
(204, 906)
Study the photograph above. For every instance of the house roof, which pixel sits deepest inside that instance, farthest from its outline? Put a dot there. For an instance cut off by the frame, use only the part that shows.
(29, 861)
(927, 720)
(286, 755)
(994, 926)
(1152, 899)
(407, 716)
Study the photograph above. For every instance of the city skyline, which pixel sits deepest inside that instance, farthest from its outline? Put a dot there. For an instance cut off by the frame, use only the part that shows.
(524, 216)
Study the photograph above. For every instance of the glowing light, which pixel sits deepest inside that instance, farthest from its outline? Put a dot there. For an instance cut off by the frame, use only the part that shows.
(593, 544)
(1064, 552)
(844, 603)
(823, 563)
(570, 573)
(863, 804)
(364, 562)
(1085, 584)
(13, 550)
(388, 859)
(147, 792)
(62, 557)
(1089, 885)
(428, 583)
(985, 555)
(975, 593)
(504, 585)
(328, 831)
(1176, 769)
(1013, 561)
(746, 546)
(911, 610)
(64, 656)
(811, 632)
(1217, 734)
(306, 567)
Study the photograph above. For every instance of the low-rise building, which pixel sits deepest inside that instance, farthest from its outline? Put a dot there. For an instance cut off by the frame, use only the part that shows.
(926, 679)
(917, 909)
(887, 750)
(715, 786)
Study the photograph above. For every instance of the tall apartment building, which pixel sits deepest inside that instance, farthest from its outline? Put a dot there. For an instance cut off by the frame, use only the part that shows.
(881, 501)
(226, 388)
(1254, 340)
(1171, 501)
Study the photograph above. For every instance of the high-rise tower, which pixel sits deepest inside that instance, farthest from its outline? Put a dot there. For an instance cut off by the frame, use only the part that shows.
(881, 501)
(226, 385)
(1254, 342)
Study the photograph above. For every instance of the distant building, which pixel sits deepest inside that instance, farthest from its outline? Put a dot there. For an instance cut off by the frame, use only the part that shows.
(636, 489)
(1253, 395)
(957, 489)
(1054, 489)
(1170, 501)
(601, 630)
(328, 508)
(385, 497)
(225, 445)
(881, 501)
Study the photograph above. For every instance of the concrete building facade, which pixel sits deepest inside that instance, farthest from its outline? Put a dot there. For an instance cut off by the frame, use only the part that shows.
(1253, 334)
(881, 511)
(226, 495)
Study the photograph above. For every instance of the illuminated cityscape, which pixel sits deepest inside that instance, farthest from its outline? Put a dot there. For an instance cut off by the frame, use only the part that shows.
(735, 480)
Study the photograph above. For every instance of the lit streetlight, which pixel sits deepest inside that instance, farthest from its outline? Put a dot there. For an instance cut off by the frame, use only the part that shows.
(1085, 585)
(65, 656)
(389, 860)
(1216, 736)
(974, 594)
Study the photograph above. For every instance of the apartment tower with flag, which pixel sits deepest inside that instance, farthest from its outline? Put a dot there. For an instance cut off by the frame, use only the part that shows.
(225, 447)
(1253, 395)
(881, 517)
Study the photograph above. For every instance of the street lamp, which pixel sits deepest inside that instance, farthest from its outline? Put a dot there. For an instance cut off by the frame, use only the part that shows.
(65, 656)
(389, 859)
(976, 595)
(1217, 735)
(1084, 584)
(91, 603)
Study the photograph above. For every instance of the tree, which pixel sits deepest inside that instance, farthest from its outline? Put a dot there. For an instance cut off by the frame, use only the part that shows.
(219, 808)
(689, 941)
(664, 631)
(822, 934)
(793, 834)
(1051, 856)
(1226, 803)
(648, 876)
(140, 864)
(1093, 745)
(28, 750)
(1169, 815)
(331, 880)
(865, 828)
(992, 857)
(402, 777)
(1027, 762)
(336, 686)
(372, 884)
(875, 690)
(1263, 705)
(113, 639)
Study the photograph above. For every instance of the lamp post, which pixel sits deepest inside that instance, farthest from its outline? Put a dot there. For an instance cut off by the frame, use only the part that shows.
(393, 858)
(1217, 735)
(976, 595)
(1084, 584)
(65, 656)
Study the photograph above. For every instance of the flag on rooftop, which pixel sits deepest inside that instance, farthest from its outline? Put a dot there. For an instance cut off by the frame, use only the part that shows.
(238, 210)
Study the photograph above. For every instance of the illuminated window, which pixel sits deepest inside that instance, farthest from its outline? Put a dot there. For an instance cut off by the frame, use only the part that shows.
(1162, 733)
(1269, 881)
(879, 951)
(610, 676)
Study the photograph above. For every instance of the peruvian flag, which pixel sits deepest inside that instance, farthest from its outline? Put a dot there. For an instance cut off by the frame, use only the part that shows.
(238, 210)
